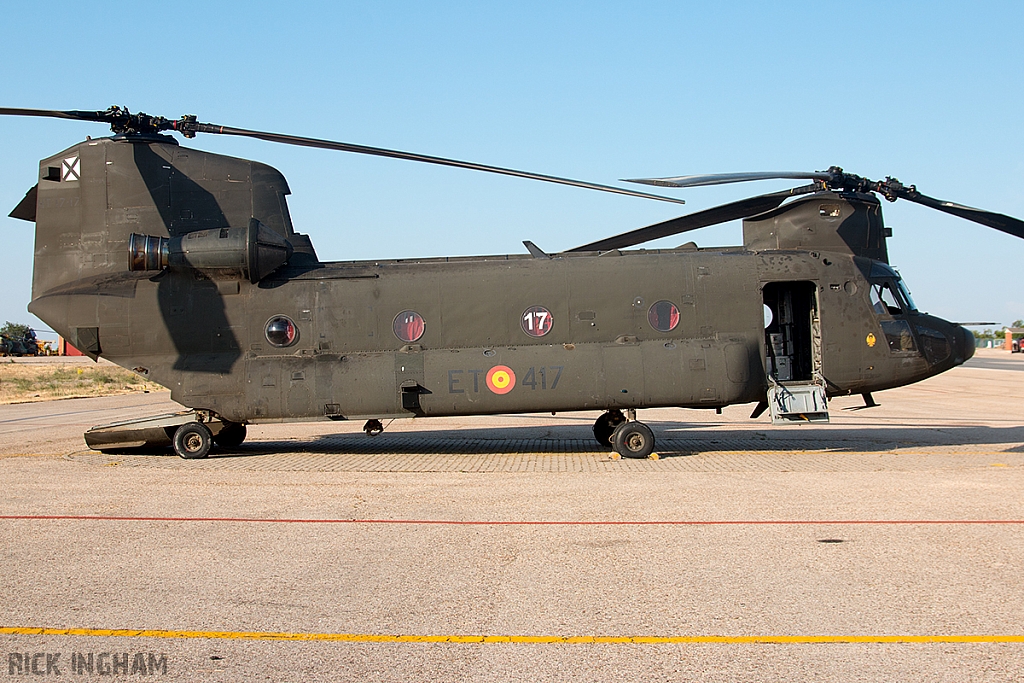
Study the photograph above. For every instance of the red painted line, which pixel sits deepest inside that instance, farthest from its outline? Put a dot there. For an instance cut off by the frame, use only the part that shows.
(454, 522)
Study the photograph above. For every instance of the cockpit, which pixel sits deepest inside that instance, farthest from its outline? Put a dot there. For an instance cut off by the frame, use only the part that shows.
(907, 331)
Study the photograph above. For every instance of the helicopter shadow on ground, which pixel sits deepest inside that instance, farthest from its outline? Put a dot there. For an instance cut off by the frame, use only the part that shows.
(674, 439)
(693, 440)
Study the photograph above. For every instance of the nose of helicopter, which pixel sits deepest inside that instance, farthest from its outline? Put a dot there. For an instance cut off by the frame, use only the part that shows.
(945, 344)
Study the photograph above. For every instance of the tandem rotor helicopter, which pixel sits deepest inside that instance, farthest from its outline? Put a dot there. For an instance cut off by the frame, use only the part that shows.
(184, 267)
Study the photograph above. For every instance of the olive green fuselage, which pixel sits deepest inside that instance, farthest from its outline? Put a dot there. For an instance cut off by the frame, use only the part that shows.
(683, 327)
(601, 351)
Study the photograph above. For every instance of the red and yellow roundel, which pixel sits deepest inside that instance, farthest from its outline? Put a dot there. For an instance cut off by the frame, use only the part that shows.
(501, 379)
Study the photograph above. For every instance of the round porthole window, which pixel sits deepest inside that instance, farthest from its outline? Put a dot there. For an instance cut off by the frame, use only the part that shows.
(409, 326)
(281, 331)
(537, 321)
(663, 316)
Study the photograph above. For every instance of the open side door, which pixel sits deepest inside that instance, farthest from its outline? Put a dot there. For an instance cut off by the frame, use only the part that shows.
(796, 388)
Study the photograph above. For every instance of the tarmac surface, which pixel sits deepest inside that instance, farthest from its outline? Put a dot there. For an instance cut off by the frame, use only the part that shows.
(885, 546)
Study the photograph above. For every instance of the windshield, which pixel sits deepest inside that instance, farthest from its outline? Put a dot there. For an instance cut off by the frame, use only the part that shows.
(883, 276)
(906, 295)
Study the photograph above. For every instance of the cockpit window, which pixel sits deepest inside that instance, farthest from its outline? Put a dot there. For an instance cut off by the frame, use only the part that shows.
(884, 276)
(906, 295)
(884, 299)
(881, 270)
(898, 335)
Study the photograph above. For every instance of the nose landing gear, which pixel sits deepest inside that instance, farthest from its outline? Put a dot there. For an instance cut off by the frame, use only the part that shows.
(629, 438)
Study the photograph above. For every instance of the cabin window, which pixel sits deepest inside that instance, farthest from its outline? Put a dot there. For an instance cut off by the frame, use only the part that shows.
(663, 316)
(537, 321)
(409, 326)
(281, 331)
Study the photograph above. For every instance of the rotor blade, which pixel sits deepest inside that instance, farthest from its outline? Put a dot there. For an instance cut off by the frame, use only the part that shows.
(122, 121)
(55, 114)
(701, 219)
(410, 156)
(725, 178)
(1008, 224)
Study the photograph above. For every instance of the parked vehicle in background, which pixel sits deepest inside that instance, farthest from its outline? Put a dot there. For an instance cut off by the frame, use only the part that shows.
(27, 345)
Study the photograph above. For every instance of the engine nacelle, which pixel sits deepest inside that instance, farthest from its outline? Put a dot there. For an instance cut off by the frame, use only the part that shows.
(250, 253)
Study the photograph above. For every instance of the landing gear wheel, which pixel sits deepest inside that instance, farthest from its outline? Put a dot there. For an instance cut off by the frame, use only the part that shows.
(193, 440)
(231, 435)
(633, 440)
(605, 427)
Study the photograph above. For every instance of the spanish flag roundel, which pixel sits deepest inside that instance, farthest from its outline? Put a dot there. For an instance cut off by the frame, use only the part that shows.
(501, 379)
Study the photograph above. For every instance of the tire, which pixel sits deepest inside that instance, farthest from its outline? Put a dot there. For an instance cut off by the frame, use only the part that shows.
(192, 441)
(231, 435)
(633, 440)
(605, 427)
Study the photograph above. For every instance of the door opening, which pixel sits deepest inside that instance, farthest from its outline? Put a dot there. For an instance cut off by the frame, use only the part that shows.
(790, 339)
(796, 391)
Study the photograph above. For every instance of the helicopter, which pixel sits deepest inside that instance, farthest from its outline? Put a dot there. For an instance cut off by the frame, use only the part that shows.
(184, 267)
(26, 345)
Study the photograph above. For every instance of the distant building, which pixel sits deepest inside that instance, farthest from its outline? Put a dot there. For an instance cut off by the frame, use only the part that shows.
(66, 349)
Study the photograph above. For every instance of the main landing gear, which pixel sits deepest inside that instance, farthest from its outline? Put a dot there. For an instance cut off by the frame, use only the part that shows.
(193, 440)
(192, 433)
(629, 438)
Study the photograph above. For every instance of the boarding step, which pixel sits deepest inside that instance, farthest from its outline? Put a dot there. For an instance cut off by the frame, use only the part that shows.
(797, 402)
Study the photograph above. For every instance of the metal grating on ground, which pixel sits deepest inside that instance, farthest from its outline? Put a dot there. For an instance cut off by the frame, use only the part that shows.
(399, 453)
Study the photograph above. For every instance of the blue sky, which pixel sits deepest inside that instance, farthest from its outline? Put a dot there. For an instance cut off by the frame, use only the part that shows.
(928, 92)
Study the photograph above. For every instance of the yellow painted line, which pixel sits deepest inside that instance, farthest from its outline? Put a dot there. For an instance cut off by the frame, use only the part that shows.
(964, 453)
(384, 638)
(839, 452)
